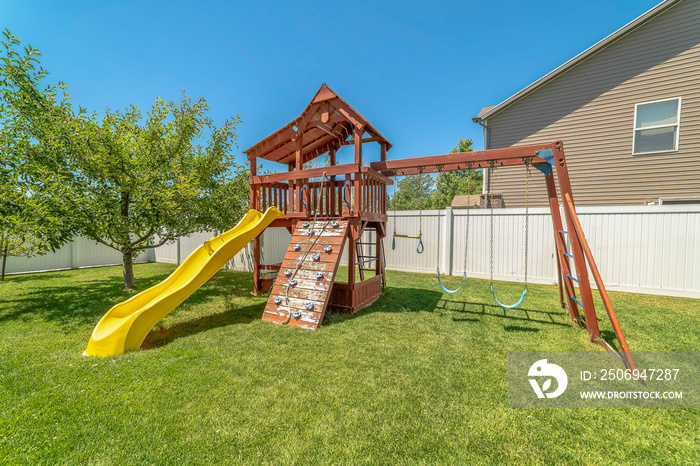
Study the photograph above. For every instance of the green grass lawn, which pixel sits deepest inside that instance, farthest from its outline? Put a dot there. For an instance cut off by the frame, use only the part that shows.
(418, 377)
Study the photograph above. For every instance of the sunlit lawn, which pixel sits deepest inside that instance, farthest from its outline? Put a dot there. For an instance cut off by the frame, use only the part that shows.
(418, 377)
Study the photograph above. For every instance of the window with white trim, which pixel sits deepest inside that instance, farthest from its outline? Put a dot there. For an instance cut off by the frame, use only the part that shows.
(656, 126)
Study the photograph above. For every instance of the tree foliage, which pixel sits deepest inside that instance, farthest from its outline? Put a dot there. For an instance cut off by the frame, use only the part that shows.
(412, 192)
(136, 181)
(437, 193)
(35, 183)
(453, 183)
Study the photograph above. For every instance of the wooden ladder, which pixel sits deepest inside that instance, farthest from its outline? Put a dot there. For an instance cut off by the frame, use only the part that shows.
(371, 257)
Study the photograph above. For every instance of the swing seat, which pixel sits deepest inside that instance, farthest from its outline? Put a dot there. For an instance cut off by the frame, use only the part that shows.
(443, 286)
(509, 306)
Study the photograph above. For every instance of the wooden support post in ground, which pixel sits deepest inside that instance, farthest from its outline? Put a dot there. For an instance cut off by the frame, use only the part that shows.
(576, 248)
(576, 226)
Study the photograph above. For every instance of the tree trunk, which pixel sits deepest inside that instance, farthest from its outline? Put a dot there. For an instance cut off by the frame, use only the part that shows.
(4, 261)
(5, 248)
(127, 252)
(128, 266)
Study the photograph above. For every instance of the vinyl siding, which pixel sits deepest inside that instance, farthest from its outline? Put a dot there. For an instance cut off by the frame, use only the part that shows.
(591, 108)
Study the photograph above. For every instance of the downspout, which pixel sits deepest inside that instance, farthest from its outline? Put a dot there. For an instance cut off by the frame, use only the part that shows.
(482, 123)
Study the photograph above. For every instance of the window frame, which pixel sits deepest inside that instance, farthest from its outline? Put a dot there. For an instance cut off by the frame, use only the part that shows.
(677, 125)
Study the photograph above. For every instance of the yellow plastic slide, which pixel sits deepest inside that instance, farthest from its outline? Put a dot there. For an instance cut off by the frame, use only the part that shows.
(126, 325)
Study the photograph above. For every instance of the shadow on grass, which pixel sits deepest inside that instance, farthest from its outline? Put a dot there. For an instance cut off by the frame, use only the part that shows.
(402, 300)
(76, 300)
(233, 315)
(610, 338)
(491, 310)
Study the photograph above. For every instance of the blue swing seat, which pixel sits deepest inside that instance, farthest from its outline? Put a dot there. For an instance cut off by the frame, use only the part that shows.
(443, 286)
(509, 306)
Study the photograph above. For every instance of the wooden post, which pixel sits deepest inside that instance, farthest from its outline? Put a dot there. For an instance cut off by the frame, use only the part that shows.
(382, 155)
(352, 251)
(255, 204)
(299, 166)
(576, 226)
(584, 284)
(291, 203)
(332, 185)
(358, 176)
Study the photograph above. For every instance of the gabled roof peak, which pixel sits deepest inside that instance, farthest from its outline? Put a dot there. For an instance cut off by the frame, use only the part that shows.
(326, 123)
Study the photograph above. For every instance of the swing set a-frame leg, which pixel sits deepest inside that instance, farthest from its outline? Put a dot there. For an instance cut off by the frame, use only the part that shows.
(576, 249)
(576, 226)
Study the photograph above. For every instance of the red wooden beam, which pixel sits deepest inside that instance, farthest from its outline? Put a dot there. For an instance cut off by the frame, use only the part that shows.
(308, 173)
(450, 162)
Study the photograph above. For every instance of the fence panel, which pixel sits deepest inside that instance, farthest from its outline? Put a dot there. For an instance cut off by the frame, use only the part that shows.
(81, 252)
(646, 249)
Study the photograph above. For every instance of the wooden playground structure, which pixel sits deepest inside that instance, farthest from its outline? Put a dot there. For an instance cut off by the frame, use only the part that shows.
(330, 206)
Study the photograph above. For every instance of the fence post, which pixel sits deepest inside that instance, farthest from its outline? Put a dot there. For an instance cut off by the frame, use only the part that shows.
(178, 250)
(446, 260)
(73, 253)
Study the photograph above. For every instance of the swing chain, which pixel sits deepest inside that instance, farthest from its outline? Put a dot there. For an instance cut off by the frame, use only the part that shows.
(490, 191)
(469, 208)
(420, 213)
(528, 161)
(439, 239)
(393, 200)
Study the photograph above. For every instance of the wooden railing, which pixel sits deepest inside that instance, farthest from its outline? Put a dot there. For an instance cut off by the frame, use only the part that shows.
(273, 194)
(338, 195)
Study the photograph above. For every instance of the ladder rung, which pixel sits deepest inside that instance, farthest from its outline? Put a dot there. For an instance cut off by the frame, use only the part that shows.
(577, 301)
(572, 278)
(567, 254)
(564, 231)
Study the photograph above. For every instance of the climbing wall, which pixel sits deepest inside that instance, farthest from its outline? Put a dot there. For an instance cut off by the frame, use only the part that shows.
(303, 286)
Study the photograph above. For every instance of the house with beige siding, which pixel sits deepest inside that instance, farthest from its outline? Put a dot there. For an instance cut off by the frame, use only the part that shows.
(627, 110)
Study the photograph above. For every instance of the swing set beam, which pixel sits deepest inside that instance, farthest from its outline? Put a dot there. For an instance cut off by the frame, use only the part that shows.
(540, 154)
(550, 160)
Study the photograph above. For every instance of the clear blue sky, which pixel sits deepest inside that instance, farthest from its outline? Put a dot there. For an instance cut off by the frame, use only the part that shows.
(417, 70)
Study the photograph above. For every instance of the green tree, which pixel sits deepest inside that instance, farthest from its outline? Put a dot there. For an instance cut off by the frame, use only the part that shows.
(148, 182)
(34, 180)
(412, 193)
(453, 183)
(137, 181)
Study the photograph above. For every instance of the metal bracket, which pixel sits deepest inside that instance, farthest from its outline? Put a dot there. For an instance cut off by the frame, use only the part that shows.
(546, 154)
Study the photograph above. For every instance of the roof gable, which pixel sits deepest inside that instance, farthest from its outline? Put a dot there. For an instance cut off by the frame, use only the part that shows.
(326, 123)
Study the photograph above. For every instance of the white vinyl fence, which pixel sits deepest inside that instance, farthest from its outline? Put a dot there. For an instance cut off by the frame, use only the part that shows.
(274, 242)
(642, 249)
(81, 252)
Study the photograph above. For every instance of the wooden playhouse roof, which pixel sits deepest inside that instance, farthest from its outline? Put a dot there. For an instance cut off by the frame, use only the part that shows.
(327, 122)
